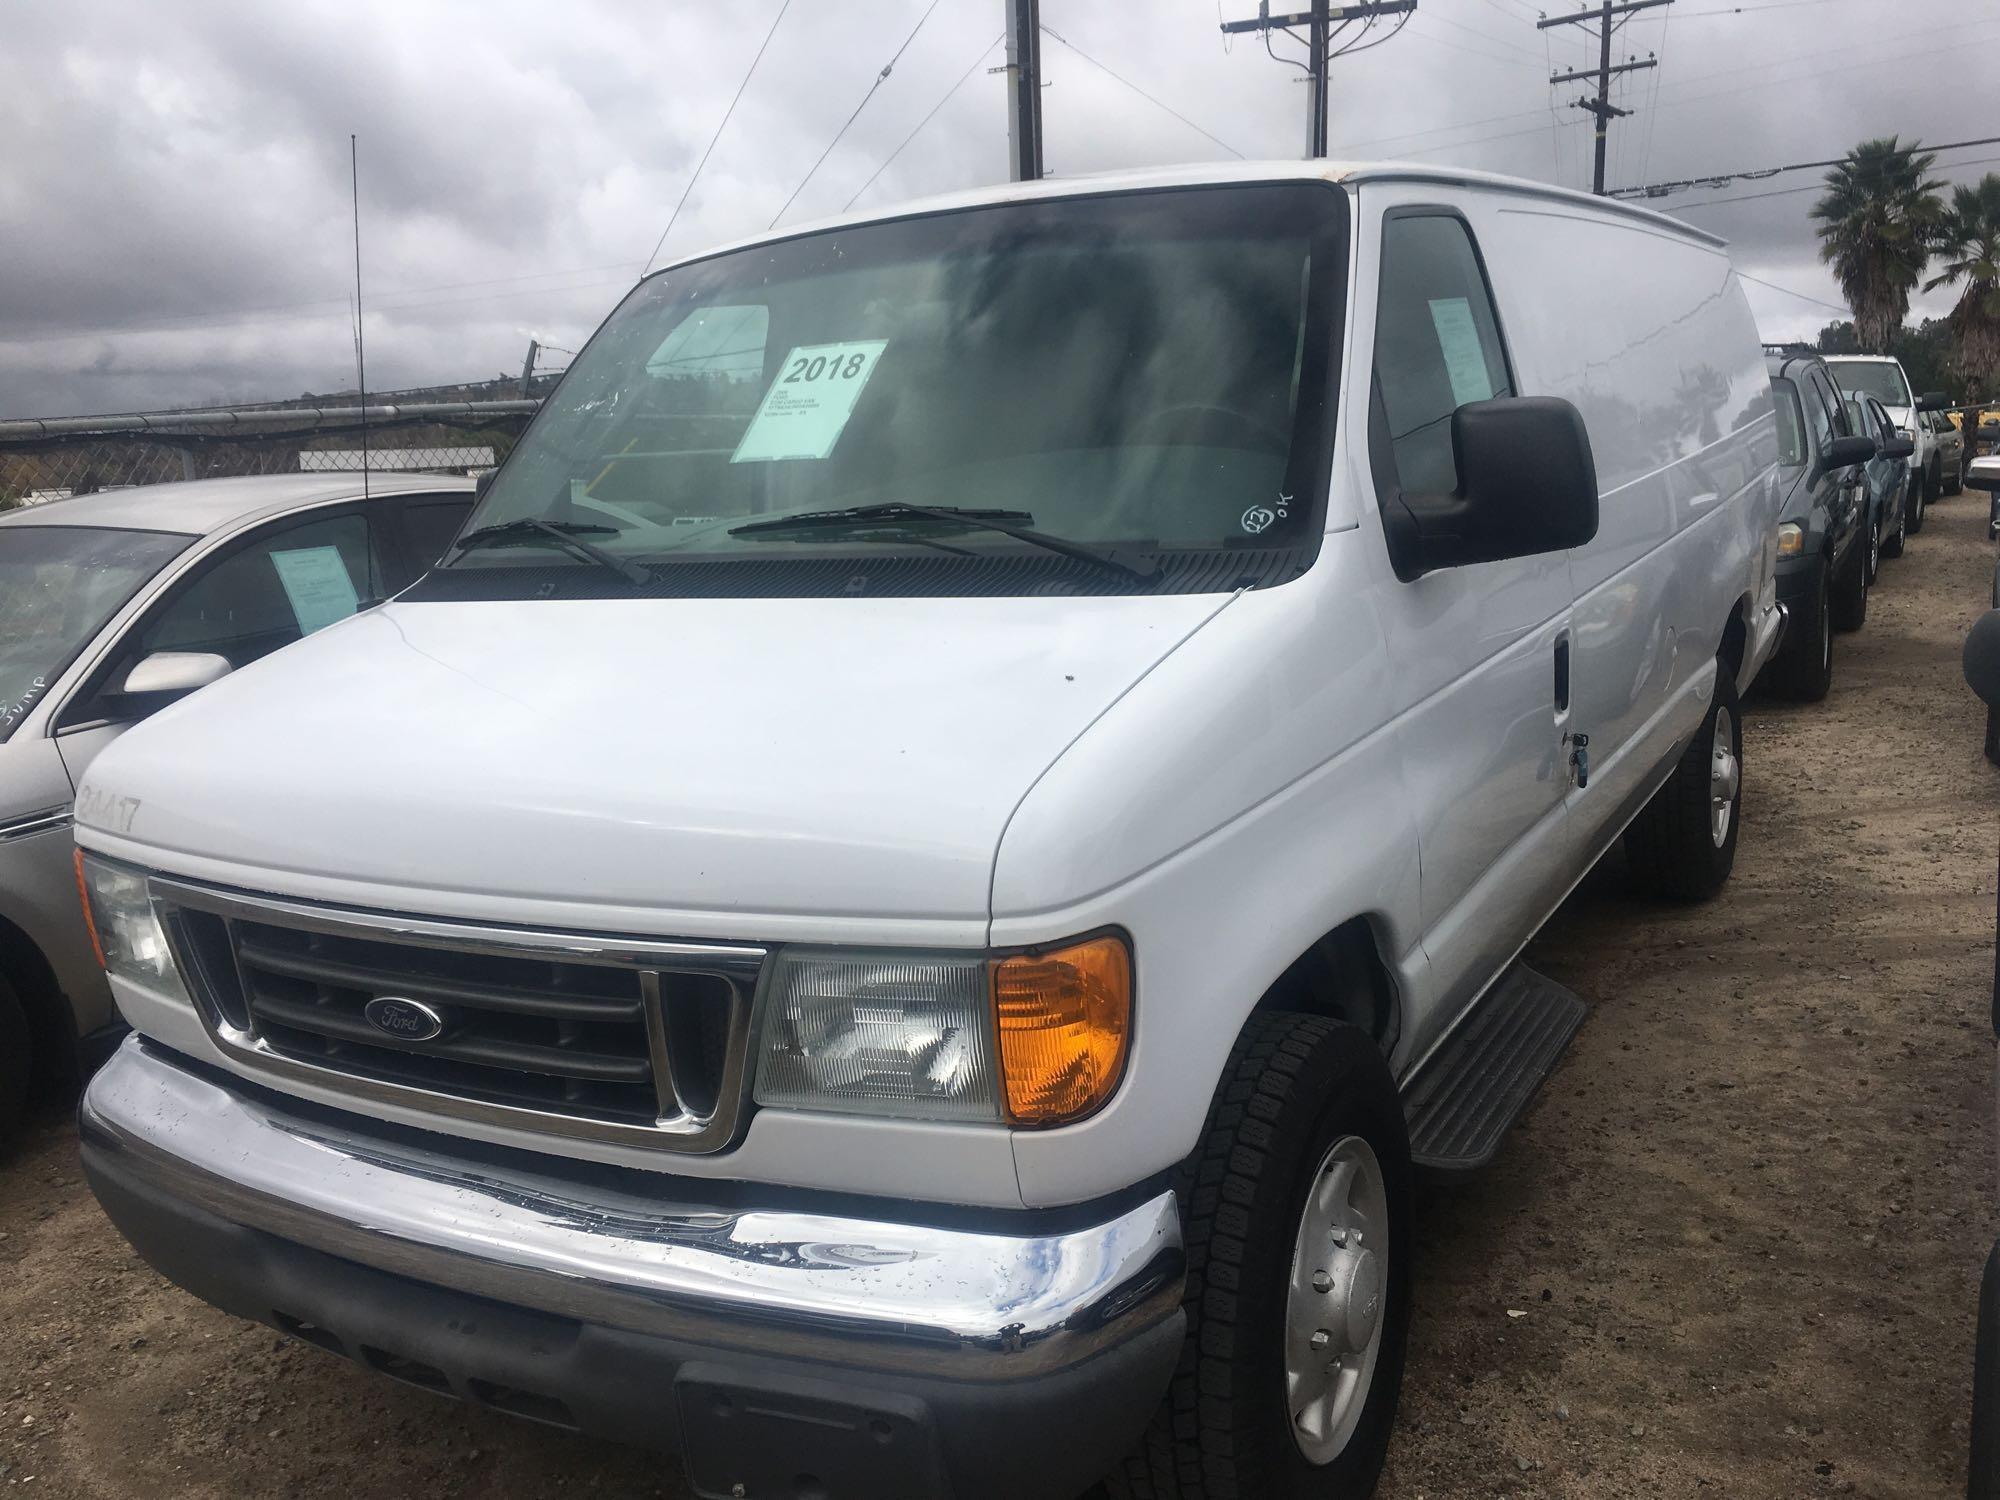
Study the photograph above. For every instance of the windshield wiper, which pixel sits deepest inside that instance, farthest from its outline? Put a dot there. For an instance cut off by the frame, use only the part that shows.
(1015, 523)
(566, 536)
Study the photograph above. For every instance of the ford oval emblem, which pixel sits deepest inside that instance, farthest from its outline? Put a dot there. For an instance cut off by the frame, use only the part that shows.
(406, 1020)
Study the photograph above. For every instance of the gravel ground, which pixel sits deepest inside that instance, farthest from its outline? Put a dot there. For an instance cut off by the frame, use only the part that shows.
(1733, 1250)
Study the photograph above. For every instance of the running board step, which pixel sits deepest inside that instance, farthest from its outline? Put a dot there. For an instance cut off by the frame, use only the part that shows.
(1471, 1092)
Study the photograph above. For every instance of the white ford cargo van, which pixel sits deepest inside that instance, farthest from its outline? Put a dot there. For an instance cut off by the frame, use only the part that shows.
(899, 912)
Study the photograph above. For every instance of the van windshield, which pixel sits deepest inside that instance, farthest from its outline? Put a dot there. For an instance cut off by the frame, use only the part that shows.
(58, 585)
(1882, 381)
(1146, 374)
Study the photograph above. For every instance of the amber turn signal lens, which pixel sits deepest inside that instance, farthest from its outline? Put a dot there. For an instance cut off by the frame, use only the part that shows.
(89, 916)
(1065, 1020)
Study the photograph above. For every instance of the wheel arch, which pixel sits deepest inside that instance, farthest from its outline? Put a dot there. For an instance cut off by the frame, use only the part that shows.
(51, 1022)
(1342, 976)
(1735, 639)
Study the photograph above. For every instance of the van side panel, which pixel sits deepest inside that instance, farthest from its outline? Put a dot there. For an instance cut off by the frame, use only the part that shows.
(1473, 653)
(1663, 360)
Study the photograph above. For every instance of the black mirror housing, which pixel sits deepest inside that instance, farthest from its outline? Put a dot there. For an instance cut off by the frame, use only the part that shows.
(1933, 401)
(1981, 658)
(482, 484)
(1527, 485)
(1845, 452)
(1900, 447)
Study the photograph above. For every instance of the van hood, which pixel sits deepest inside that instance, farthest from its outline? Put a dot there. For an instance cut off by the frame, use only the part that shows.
(805, 756)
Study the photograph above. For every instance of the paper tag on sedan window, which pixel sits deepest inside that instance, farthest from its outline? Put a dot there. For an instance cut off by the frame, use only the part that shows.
(1464, 360)
(316, 582)
(810, 401)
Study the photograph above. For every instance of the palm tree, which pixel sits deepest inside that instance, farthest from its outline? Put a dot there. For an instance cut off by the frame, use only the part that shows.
(1970, 248)
(1877, 224)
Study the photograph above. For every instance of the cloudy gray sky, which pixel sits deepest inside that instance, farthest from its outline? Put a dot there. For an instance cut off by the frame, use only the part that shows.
(174, 215)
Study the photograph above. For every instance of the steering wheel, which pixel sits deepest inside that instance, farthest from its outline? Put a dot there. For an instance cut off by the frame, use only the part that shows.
(1195, 411)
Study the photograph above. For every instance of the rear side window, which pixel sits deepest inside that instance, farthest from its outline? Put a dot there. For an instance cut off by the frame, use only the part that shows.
(1437, 343)
(1836, 414)
(1818, 416)
(1791, 425)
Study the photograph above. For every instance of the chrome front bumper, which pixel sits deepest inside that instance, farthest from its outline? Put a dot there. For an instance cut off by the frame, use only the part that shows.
(598, 1246)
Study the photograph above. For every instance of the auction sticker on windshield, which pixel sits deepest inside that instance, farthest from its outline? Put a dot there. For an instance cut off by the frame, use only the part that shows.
(809, 403)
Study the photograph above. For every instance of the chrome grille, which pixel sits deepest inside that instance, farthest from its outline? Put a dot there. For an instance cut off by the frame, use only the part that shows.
(556, 1031)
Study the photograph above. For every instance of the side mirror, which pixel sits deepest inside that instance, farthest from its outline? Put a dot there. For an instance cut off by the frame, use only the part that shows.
(1845, 452)
(481, 485)
(174, 674)
(1527, 485)
(1982, 658)
(1899, 447)
(1933, 401)
(1983, 473)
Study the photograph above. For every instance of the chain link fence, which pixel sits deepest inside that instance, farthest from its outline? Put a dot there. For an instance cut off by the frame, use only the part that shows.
(455, 430)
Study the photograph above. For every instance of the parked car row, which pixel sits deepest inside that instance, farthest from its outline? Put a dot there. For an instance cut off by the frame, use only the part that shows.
(1858, 474)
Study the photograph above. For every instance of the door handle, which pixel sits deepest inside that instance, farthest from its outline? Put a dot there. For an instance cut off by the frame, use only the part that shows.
(1562, 674)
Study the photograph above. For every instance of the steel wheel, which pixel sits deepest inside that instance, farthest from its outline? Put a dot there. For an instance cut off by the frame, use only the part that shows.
(1333, 1311)
(1725, 778)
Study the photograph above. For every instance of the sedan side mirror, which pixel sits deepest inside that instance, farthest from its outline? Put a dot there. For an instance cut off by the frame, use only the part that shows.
(482, 484)
(1845, 452)
(1897, 447)
(174, 674)
(1527, 485)
(1933, 401)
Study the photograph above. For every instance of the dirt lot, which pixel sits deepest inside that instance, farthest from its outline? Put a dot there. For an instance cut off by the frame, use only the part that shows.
(1734, 1250)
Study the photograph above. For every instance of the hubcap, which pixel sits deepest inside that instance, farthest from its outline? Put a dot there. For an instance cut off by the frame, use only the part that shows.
(1333, 1310)
(1725, 778)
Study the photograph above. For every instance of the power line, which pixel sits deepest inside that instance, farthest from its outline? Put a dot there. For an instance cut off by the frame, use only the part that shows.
(751, 73)
(1149, 98)
(880, 78)
(948, 93)
(1816, 301)
(1720, 179)
(1811, 187)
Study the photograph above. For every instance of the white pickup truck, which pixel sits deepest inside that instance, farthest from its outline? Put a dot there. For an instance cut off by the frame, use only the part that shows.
(900, 912)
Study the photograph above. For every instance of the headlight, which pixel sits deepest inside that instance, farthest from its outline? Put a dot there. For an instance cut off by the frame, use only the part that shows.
(1791, 539)
(123, 929)
(905, 1034)
(1028, 1038)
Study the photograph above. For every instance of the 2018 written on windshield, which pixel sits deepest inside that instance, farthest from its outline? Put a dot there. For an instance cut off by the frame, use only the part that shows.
(811, 369)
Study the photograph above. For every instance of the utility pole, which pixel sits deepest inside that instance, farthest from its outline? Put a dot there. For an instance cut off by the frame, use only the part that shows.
(1024, 90)
(1319, 23)
(1609, 17)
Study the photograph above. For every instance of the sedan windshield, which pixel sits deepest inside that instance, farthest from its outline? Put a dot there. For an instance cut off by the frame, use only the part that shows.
(1882, 381)
(1139, 375)
(58, 585)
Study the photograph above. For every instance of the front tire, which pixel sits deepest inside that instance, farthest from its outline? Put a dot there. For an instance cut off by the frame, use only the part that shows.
(1913, 507)
(1892, 546)
(1933, 479)
(1682, 846)
(1850, 596)
(1803, 671)
(1296, 1208)
(16, 1059)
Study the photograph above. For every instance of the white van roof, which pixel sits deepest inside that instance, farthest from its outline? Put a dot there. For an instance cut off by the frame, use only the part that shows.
(1209, 174)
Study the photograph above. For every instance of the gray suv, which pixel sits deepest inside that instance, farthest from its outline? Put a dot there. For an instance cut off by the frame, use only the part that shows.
(116, 604)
